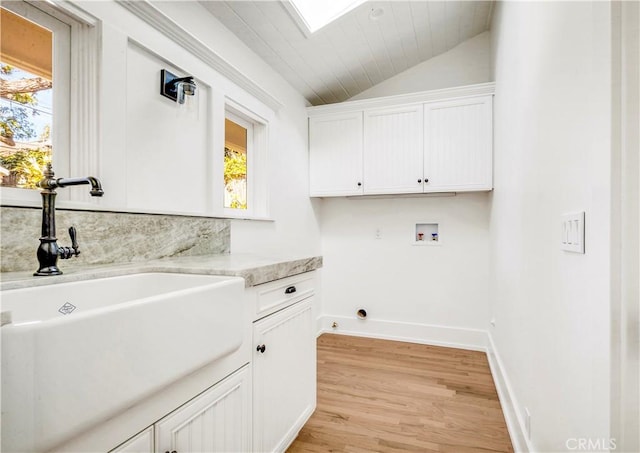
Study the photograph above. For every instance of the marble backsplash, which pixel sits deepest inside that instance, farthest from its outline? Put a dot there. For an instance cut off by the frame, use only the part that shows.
(109, 237)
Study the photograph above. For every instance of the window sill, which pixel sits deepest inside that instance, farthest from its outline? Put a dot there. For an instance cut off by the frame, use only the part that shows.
(247, 217)
(94, 206)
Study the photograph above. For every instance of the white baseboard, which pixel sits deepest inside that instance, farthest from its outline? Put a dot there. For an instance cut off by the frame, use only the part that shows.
(452, 337)
(510, 407)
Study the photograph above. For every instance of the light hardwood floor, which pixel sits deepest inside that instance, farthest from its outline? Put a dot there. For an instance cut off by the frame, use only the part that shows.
(389, 396)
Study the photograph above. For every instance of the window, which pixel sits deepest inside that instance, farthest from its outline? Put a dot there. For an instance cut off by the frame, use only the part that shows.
(34, 105)
(58, 42)
(245, 169)
(316, 15)
(238, 144)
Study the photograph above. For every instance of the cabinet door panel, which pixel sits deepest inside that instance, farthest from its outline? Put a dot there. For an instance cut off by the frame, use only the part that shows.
(284, 376)
(335, 155)
(458, 145)
(393, 150)
(216, 421)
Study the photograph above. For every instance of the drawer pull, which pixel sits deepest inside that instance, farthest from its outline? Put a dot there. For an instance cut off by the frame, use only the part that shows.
(261, 348)
(290, 290)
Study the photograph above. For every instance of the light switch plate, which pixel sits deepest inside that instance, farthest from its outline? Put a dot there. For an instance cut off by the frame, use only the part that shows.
(573, 232)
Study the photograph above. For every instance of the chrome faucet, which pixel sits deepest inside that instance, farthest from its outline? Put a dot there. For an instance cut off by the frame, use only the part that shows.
(49, 251)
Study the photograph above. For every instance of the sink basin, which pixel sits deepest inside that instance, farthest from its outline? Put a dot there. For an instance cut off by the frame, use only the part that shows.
(75, 354)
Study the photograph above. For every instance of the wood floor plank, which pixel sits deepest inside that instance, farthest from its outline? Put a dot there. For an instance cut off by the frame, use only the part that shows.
(389, 396)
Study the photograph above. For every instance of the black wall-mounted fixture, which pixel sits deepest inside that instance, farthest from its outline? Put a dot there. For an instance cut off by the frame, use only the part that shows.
(176, 88)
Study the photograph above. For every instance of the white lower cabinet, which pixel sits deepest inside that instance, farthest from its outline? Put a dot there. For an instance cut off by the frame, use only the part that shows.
(284, 376)
(217, 420)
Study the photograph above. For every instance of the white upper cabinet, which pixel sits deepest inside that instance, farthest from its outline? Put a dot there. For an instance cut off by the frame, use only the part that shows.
(335, 160)
(458, 145)
(435, 141)
(393, 150)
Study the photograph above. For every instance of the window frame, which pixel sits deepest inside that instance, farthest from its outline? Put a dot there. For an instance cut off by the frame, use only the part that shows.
(75, 132)
(61, 65)
(257, 167)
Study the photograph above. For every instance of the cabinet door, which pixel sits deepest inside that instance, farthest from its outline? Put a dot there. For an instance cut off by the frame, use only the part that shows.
(284, 376)
(393, 150)
(458, 145)
(218, 420)
(335, 155)
(140, 443)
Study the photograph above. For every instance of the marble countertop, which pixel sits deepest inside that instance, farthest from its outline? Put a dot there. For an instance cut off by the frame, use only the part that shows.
(255, 269)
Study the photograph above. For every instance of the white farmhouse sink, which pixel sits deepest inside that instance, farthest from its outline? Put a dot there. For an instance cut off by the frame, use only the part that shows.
(65, 369)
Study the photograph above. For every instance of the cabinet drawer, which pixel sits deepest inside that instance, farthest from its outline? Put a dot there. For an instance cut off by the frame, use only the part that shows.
(273, 296)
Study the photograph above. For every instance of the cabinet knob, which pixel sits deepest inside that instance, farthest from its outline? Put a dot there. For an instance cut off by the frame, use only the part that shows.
(359, 184)
(290, 290)
(419, 181)
(172, 451)
(426, 180)
(261, 348)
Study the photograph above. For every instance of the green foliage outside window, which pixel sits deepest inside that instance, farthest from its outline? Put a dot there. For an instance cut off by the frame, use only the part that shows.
(15, 121)
(235, 165)
(26, 166)
(25, 162)
(235, 170)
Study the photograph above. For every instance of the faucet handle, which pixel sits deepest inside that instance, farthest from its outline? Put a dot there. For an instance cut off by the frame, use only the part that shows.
(69, 252)
(74, 242)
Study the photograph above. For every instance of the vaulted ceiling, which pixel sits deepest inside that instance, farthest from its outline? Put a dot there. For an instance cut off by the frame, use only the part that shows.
(368, 45)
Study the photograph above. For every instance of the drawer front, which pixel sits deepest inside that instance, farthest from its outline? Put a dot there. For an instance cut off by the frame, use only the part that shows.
(273, 296)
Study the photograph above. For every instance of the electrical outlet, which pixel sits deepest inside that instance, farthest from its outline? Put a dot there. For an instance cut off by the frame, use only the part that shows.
(527, 423)
(377, 233)
(493, 322)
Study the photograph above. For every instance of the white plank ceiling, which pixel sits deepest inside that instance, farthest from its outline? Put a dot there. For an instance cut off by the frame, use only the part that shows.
(354, 52)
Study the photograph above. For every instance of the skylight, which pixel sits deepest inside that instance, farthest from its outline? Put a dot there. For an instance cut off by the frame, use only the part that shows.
(315, 14)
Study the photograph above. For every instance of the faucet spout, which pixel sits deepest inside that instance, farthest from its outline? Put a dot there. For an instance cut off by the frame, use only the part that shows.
(96, 187)
(49, 183)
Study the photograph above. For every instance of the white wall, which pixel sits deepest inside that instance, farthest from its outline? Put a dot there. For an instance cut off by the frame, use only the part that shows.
(157, 159)
(294, 228)
(552, 155)
(442, 289)
(467, 63)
